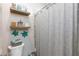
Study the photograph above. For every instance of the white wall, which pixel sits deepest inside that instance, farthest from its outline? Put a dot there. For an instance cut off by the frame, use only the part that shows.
(4, 35)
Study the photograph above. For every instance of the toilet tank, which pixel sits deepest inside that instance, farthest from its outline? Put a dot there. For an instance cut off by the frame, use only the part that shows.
(16, 51)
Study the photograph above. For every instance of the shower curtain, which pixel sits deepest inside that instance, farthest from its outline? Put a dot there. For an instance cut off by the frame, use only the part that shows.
(54, 30)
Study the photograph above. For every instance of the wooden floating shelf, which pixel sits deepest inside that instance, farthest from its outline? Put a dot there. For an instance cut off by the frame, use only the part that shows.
(19, 12)
(19, 28)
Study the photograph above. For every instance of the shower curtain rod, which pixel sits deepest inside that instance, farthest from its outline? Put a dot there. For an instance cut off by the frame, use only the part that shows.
(46, 6)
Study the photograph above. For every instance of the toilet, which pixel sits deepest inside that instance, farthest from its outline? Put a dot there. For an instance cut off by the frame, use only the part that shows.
(16, 51)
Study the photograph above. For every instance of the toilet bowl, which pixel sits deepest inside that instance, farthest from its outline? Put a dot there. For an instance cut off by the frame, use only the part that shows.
(16, 51)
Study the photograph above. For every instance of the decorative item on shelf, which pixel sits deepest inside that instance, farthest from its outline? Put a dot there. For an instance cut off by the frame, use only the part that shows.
(20, 24)
(13, 6)
(26, 10)
(27, 25)
(13, 24)
(18, 7)
(15, 33)
(24, 34)
(23, 9)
